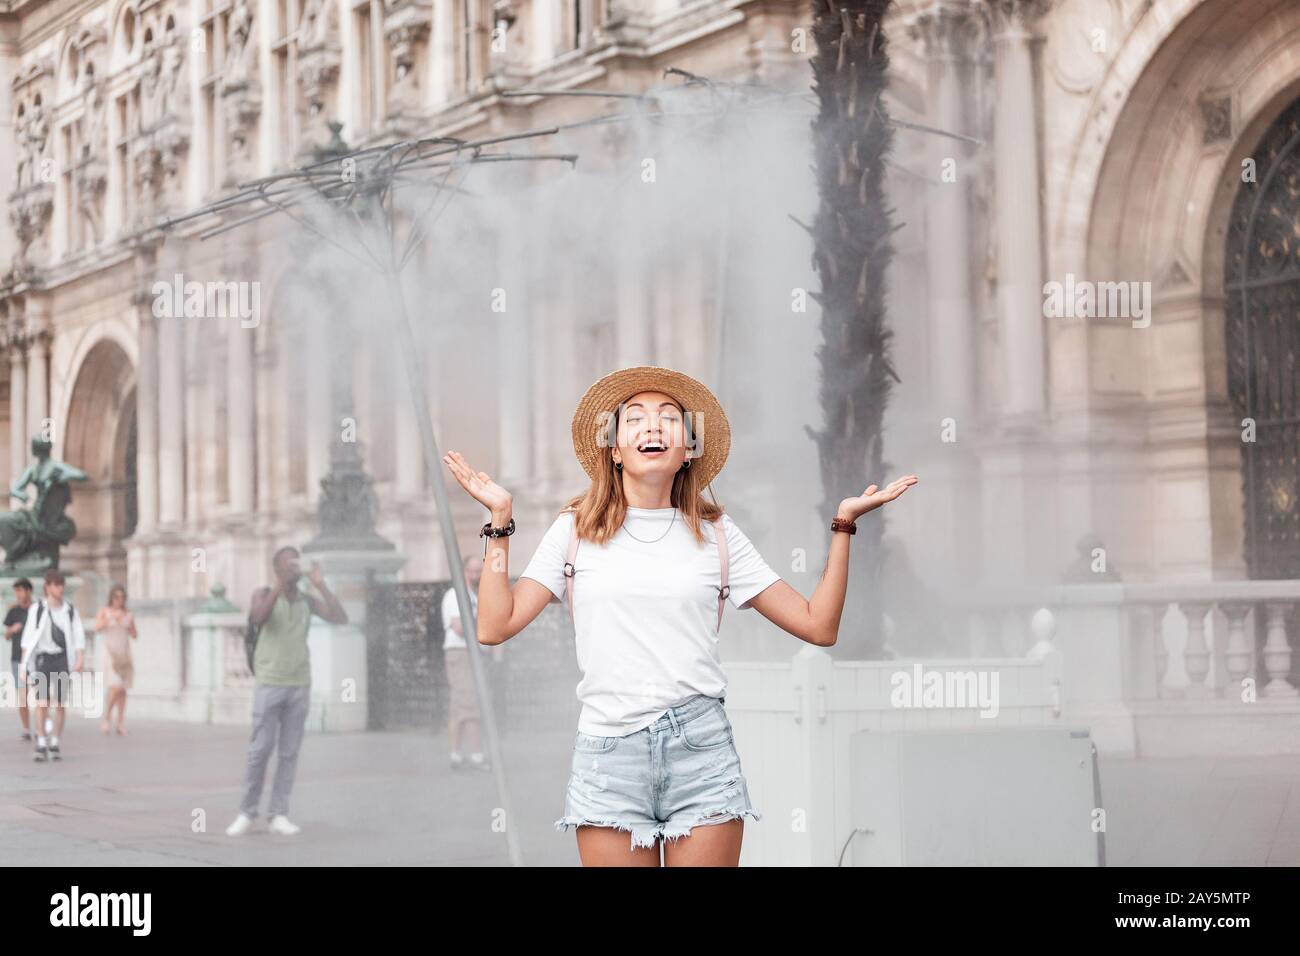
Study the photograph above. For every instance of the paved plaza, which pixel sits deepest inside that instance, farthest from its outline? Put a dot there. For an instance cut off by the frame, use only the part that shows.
(369, 799)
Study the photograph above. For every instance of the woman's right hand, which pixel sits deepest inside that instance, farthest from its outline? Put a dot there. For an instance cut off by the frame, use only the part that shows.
(480, 485)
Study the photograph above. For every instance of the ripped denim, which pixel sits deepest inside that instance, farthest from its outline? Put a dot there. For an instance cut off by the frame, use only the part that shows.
(658, 783)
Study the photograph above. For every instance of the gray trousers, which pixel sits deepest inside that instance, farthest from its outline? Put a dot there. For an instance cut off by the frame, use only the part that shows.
(279, 717)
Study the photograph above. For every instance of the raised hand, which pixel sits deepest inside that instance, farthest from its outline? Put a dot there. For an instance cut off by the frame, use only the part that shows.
(873, 497)
(479, 484)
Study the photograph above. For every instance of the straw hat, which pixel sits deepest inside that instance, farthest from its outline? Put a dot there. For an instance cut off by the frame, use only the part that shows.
(592, 420)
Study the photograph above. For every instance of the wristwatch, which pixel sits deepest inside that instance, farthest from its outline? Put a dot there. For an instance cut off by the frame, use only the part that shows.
(844, 524)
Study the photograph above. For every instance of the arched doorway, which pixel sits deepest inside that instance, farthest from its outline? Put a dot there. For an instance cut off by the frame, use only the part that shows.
(100, 439)
(1262, 328)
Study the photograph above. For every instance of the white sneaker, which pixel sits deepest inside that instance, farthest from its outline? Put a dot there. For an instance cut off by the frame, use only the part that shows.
(243, 823)
(280, 824)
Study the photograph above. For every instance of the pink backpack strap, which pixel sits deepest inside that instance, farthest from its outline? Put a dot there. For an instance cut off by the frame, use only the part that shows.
(725, 589)
(568, 564)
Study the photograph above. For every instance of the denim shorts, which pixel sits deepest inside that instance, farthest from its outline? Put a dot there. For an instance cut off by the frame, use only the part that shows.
(680, 772)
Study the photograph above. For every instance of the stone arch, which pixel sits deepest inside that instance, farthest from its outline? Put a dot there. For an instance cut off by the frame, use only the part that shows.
(125, 36)
(1166, 160)
(98, 438)
(69, 69)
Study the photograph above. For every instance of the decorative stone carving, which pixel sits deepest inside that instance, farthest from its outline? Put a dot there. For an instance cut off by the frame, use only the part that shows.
(1084, 36)
(239, 67)
(507, 66)
(240, 92)
(31, 203)
(406, 29)
(1013, 18)
(940, 28)
(91, 170)
(319, 59)
(1216, 117)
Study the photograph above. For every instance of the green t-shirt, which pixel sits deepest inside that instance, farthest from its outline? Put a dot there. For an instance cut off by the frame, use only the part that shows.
(281, 656)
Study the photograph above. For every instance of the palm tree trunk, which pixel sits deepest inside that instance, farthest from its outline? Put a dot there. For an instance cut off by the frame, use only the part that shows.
(852, 248)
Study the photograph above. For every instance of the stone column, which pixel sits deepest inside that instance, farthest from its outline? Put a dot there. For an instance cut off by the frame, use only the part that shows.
(239, 417)
(38, 390)
(171, 423)
(270, 468)
(146, 405)
(514, 436)
(410, 457)
(315, 419)
(1019, 224)
(444, 47)
(951, 415)
(18, 453)
(941, 28)
(200, 451)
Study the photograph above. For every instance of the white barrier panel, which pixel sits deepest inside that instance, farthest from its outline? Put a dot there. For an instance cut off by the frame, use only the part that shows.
(1012, 796)
(794, 723)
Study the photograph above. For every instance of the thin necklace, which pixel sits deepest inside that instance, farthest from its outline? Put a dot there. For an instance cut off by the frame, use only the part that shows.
(660, 538)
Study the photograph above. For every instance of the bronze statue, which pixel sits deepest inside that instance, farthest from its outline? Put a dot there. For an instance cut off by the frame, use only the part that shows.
(31, 538)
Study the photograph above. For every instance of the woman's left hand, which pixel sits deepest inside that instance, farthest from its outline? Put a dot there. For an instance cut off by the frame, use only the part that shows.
(874, 497)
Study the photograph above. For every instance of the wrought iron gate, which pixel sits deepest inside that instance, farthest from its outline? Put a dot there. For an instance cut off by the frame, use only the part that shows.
(1263, 345)
(532, 687)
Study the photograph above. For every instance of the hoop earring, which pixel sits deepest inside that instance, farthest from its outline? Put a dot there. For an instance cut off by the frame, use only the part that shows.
(618, 466)
(687, 465)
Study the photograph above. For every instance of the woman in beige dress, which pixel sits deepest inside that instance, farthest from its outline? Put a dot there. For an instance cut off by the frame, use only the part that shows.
(115, 628)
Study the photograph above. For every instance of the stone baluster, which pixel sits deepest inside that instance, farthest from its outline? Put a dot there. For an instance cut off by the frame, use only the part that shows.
(1238, 652)
(1277, 652)
(1162, 650)
(1196, 655)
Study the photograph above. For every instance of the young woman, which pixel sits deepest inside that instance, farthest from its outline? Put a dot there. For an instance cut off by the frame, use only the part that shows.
(115, 627)
(654, 754)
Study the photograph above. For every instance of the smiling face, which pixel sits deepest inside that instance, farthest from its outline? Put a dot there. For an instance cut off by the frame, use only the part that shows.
(651, 435)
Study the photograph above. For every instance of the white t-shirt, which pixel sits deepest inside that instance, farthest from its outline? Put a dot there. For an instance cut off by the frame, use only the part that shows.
(42, 641)
(646, 612)
(450, 609)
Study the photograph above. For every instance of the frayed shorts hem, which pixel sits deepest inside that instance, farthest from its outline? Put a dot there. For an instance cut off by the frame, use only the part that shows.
(648, 834)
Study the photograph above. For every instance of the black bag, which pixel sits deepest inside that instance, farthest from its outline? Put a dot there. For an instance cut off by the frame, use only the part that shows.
(251, 631)
(55, 631)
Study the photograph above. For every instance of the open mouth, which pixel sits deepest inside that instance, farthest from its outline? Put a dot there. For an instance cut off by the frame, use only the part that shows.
(653, 449)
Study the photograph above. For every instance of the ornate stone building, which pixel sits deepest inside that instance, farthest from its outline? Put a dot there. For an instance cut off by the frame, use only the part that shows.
(1145, 142)
(118, 114)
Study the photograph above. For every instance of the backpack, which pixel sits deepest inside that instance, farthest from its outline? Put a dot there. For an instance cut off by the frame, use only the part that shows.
(724, 590)
(251, 631)
(56, 632)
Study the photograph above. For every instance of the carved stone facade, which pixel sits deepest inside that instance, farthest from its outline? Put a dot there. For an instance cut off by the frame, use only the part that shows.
(203, 437)
(1102, 140)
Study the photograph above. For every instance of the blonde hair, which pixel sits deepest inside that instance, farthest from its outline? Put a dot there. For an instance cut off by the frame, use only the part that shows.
(602, 508)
